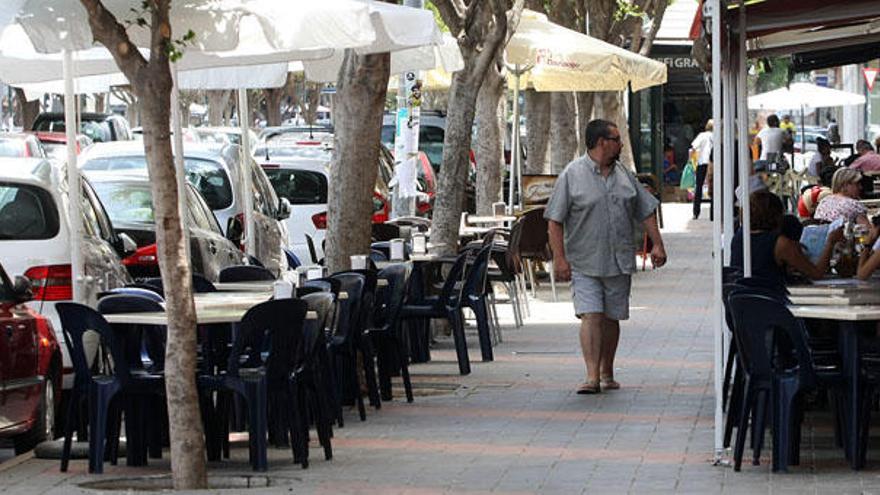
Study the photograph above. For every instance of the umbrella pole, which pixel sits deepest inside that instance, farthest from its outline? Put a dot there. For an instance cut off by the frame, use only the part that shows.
(514, 144)
(716, 227)
(74, 189)
(803, 134)
(177, 139)
(245, 176)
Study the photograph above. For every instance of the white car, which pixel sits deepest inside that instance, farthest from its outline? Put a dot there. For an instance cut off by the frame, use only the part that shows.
(35, 239)
(215, 171)
(300, 174)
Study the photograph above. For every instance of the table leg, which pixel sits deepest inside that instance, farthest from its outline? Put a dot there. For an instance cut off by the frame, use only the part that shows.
(849, 349)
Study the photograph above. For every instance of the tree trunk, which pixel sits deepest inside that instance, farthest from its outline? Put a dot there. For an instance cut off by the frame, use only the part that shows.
(489, 147)
(610, 107)
(360, 100)
(563, 130)
(218, 100)
(584, 116)
(313, 101)
(273, 105)
(151, 81)
(537, 113)
(27, 111)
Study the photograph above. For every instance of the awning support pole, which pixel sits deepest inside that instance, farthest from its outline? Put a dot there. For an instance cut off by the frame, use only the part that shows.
(77, 276)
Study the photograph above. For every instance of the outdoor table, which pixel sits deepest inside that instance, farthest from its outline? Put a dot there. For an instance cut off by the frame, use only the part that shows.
(490, 219)
(253, 286)
(847, 318)
(204, 316)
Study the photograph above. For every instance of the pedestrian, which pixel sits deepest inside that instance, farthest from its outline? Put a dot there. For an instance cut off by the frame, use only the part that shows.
(701, 148)
(591, 213)
(770, 139)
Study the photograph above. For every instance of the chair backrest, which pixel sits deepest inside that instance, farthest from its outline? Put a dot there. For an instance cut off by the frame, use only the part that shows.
(313, 253)
(760, 321)
(513, 257)
(292, 259)
(385, 248)
(730, 274)
(394, 295)
(534, 239)
(367, 301)
(202, 284)
(376, 255)
(245, 273)
(76, 320)
(384, 231)
(348, 310)
(134, 291)
(324, 304)
(453, 285)
(135, 339)
(476, 280)
(274, 328)
(766, 284)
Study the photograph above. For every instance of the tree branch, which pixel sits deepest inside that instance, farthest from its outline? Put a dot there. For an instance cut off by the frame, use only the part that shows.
(513, 17)
(657, 15)
(110, 33)
(452, 12)
(493, 41)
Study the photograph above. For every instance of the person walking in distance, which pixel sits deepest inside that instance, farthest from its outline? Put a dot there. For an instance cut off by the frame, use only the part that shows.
(590, 222)
(701, 147)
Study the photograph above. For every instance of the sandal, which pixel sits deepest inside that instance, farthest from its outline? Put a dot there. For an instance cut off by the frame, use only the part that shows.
(589, 388)
(608, 383)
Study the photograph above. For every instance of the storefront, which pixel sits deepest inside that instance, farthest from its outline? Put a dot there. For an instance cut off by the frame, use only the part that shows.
(664, 120)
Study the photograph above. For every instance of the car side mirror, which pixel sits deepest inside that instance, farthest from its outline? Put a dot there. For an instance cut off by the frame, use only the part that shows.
(234, 230)
(127, 246)
(283, 209)
(22, 288)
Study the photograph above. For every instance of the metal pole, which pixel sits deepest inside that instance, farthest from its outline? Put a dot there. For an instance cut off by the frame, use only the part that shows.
(514, 143)
(179, 170)
(247, 196)
(718, 313)
(745, 167)
(75, 218)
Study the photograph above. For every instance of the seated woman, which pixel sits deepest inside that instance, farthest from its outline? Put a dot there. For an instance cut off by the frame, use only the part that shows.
(869, 259)
(774, 253)
(844, 202)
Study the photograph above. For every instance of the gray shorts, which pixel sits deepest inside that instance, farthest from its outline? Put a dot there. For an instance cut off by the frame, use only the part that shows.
(608, 295)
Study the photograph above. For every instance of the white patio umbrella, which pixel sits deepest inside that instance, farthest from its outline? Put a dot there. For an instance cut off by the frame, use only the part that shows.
(801, 96)
(285, 33)
(549, 57)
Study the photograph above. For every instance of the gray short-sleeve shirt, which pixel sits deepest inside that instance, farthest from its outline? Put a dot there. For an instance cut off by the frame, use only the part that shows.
(597, 214)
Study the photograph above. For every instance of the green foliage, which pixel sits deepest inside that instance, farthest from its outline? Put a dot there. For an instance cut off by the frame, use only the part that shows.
(437, 17)
(626, 9)
(174, 48)
(767, 74)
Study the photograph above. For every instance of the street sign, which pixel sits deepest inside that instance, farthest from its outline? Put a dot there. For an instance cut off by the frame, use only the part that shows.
(821, 80)
(329, 90)
(870, 75)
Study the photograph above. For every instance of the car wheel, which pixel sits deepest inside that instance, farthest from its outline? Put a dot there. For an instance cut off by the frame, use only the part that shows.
(44, 426)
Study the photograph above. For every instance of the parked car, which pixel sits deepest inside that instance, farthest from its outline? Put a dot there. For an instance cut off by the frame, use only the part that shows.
(30, 357)
(299, 131)
(35, 238)
(221, 135)
(432, 132)
(129, 202)
(301, 174)
(20, 145)
(215, 173)
(55, 144)
(810, 141)
(99, 127)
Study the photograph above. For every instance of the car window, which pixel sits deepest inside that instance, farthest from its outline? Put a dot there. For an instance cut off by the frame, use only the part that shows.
(300, 187)
(126, 202)
(197, 203)
(208, 176)
(35, 149)
(431, 142)
(196, 215)
(96, 215)
(11, 147)
(27, 212)
(265, 195)
(310, 152)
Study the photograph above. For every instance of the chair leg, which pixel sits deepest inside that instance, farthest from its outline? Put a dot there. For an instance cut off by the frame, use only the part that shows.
(257, 410)
(553, 281)
(70, 419)
(370, 376)
(531, 269)
(524, 292)
(745, 410)
(457, 320)
(733, 407)
(759, 422)
(728, 371)
(478, 306)
(404, 371)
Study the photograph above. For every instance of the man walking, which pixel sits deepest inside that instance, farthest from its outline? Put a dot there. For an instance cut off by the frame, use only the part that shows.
(590, 217)
(701, 148)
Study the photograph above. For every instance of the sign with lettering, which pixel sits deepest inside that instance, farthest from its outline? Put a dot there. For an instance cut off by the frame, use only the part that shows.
(679, 62)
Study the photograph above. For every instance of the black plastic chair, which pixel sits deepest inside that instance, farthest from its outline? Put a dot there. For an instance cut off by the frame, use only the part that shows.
(313, 253)
(356, 337)
(101, 388)
(200, 284)
(293, 260)
(151, 293)
(761, 323)
(314, 377)
(263, 350)
(386, 331)
(475, 296)
(447, 305)
(341, 344)
(245, 273)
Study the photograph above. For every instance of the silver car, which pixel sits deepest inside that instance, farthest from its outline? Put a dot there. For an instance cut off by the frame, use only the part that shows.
(216, 172)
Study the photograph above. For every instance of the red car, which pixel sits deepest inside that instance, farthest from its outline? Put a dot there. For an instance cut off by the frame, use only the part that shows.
(30, 369)
(20, 145)
(55, 143)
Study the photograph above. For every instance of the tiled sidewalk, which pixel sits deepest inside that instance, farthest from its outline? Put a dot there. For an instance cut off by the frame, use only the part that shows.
(516, 426)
